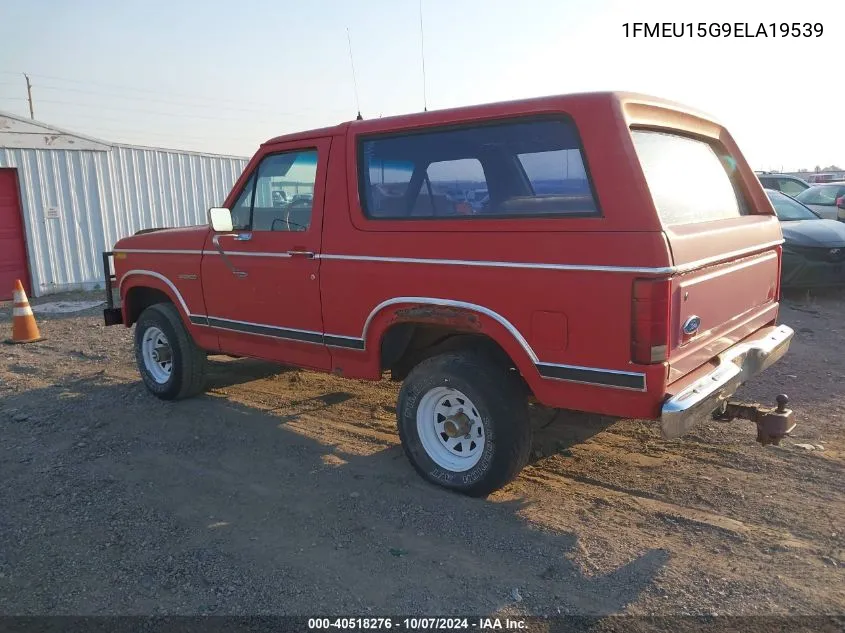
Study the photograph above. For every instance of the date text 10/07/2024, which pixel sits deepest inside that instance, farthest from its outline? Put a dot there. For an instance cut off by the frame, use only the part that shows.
(723, 29)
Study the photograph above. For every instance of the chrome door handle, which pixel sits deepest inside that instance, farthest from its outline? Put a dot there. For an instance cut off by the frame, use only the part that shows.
(216, 238)
(239, 237)
(306, 254)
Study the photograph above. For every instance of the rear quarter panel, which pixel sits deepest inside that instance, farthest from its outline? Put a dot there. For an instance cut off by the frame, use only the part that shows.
(578, 317)
(728, 271)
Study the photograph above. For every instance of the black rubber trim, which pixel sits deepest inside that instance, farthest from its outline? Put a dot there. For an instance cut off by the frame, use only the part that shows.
(593, 376)
(266, 330)
(342, 341)
(278, 332)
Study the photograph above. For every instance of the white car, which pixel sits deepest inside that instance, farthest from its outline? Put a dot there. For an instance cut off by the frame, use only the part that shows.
(827, 199)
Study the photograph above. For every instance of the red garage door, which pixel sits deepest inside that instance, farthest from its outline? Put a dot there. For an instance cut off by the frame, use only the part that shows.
(12, 246)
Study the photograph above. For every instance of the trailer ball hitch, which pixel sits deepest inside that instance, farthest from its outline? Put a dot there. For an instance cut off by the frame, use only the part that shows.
(773, 424)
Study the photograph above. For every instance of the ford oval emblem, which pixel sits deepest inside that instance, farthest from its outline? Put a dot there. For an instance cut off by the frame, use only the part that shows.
(691, 325)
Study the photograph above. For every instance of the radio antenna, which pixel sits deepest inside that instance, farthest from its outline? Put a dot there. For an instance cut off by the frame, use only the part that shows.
(354, 80)
(422, 56)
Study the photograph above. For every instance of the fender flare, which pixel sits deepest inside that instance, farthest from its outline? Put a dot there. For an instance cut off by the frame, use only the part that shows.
(476, 318)
(153, 280)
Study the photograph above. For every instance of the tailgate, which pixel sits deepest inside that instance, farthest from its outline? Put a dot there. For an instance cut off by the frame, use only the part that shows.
(726, 301)
(726, 251)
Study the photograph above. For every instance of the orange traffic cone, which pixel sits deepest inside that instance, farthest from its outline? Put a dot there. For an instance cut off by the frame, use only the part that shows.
(24, 327)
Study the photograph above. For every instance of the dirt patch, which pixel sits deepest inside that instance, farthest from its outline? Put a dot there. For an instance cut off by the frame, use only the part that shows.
(280, 490)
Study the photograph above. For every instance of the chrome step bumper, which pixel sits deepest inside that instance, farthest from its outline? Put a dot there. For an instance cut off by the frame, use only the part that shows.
(736, 365)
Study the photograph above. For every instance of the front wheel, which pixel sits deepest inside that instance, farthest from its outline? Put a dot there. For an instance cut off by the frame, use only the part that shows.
(171, 365)
(463, 422)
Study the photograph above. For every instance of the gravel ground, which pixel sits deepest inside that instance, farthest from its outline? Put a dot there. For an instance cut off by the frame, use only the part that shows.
(286, 492)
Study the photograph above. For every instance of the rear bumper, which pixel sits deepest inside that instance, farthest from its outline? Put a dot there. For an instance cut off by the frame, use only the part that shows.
(697, 401)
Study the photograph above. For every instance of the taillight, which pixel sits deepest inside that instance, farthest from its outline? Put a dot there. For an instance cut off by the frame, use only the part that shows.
(650, 327)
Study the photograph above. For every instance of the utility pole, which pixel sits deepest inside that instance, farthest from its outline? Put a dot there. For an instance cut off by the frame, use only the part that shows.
(29, 96)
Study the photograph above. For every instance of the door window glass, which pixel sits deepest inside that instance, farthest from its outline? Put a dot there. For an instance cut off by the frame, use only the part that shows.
(283, 193)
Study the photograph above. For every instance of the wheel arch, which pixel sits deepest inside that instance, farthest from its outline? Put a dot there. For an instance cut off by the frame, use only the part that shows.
(140, 289)
(397, 324)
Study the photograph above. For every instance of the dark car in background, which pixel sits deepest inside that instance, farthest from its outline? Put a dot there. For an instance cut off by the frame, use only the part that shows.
(827, 200)
(790, 185)
(814, 248)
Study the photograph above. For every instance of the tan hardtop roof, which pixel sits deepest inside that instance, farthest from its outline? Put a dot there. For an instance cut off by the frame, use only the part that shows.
(515, 107)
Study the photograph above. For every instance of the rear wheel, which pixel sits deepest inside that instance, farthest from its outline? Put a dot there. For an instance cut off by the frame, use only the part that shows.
(171, 365)
(463, 422)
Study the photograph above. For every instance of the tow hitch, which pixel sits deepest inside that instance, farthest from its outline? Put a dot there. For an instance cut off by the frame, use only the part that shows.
(773, 424)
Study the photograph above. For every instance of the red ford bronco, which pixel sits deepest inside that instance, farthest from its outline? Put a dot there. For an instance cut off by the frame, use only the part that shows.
(621, 258)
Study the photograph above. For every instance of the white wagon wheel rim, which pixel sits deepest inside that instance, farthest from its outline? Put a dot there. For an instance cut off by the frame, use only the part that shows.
(450, 429)
(157, 355)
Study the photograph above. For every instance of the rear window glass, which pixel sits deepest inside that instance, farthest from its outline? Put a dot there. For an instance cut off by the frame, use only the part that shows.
(822, 195)
(688, 180)
(519, 169)
(791, 187)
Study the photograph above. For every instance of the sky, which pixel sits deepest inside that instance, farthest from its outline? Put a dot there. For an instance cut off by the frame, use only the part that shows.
(223, 77)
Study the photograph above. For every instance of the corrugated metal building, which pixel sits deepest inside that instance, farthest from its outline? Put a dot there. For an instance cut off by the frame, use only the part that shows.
(65, 198)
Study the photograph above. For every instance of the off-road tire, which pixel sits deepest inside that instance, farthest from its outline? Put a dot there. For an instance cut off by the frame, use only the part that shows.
(501, 400)
(187, 378)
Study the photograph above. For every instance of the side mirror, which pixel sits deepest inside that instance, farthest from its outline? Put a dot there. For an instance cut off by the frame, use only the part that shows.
(220, 219)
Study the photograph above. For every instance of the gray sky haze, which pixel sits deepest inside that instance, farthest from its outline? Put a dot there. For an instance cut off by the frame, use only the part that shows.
(225, 76)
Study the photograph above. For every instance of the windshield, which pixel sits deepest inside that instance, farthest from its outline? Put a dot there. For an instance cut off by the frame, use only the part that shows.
(824, 195)
(788, 210)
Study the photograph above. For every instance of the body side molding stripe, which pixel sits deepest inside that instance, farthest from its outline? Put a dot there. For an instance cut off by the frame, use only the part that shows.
(501, 264)
(274, 331)
(569, 373)
(645, 270)
(157, 251)
(593, 376)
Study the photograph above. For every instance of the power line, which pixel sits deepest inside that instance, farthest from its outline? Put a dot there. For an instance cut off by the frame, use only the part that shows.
(155, 112)
(213, 106)
(207, 103)
(89, 130)
(100, 131)
(134, 89)
(85, 128)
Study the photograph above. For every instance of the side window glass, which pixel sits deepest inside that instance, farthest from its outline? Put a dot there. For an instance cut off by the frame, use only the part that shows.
(284, 192)
(790, 188)
(458, 187)
(559, 173)
(516, 169)
(389, 180)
